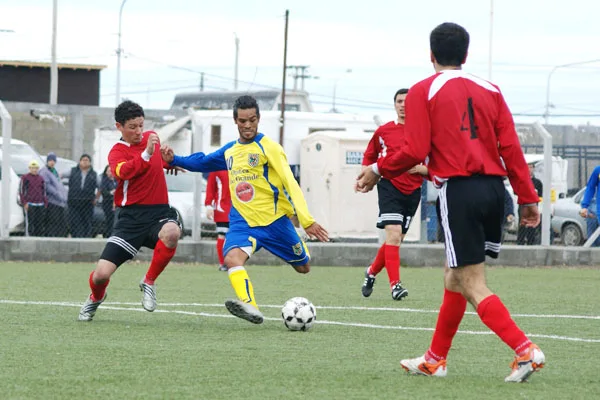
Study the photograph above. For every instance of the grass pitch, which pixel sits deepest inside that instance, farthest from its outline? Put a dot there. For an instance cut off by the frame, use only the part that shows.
(191, 348)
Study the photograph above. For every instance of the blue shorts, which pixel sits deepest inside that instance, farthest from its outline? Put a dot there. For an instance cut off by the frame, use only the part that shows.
(279, 238)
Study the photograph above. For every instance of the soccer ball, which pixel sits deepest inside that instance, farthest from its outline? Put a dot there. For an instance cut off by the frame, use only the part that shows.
(298, 314)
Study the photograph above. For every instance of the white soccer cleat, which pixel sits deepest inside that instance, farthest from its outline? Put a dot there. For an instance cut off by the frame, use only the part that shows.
(420, 366)
(149, 296)
(244, 311)
(89, 308)
(525, 365)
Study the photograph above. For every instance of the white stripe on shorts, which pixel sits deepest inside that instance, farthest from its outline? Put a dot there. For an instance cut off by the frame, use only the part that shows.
(123, 244)
(450, 253)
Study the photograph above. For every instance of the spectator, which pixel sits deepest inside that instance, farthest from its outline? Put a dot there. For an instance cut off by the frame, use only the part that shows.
(57, 199)
(32, 193)
(108, 185)
(589, 205)
(83, 183)
(527, 235)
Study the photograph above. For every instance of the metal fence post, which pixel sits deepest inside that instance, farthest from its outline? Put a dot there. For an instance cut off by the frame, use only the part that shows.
(5, 200)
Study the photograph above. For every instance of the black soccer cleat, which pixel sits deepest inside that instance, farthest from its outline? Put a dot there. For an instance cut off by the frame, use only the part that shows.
(398, 292)
(367, 287)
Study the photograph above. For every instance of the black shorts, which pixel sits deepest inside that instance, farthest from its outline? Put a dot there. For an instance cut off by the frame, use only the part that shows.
(222, 228)
(395, 207)
(471, 212)
(136, 226)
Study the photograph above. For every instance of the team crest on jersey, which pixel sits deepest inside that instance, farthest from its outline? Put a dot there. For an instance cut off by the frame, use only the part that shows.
(253, 159)
(230, 163)
(244, 191)
(297, 249)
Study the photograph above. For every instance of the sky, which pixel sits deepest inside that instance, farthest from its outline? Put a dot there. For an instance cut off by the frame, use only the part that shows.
(362, 52)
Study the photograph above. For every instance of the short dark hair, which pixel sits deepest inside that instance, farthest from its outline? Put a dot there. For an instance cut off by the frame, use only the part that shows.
(85, 155)
(400, 91)
(245, 103)
(128, 110)
(449, 44)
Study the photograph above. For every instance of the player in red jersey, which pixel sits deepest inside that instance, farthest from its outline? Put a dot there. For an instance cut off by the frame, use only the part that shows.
(465, 127)
(218, 204)
(398, 201)
(144, 217)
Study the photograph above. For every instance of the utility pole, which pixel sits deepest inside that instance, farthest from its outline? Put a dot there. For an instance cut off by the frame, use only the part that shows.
(491, 40)
(300, 73)
(202, 81)
(54, 66)
(237, 54)
(285, 42)
(119, 52)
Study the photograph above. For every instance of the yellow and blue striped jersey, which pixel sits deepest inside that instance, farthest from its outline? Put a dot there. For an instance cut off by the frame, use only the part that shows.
(262, 186)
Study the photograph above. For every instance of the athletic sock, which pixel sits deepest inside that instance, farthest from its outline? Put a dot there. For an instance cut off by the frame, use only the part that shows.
(98, 289)
(160, 258)
(495, 316)
(451, 313)
(392, 263)
(379, 261)
(220, 243)
(241, 284)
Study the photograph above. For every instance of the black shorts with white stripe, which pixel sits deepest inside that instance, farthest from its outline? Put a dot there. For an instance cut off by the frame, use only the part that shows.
(471, 212)
(395, 207)
(136, 226)
(222, 228)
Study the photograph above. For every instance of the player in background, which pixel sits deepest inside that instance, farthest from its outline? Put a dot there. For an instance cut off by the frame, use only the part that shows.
(398, 201)
(144, 217)
(218, 204)
(465, 127)
(260, 181)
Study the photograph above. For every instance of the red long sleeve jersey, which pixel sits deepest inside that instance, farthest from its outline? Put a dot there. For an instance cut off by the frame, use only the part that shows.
(218, 195)
(138, 181)
(465, 127)
(388, 139)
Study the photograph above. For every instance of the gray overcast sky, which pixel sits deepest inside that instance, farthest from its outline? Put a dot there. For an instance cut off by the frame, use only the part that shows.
(384, 43)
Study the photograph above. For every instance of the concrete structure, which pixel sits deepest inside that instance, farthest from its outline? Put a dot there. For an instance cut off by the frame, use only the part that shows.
(323, 254)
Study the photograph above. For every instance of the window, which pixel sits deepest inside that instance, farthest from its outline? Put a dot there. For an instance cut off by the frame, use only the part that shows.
(289, 107)
(215, 135)
(313, 130)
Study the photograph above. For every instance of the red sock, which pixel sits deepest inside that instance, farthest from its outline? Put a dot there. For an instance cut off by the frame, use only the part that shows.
(392, 263)
(98, 289)
(379, 261)
(495, 316)
(451, 313)
(220, 243)
(160, 258)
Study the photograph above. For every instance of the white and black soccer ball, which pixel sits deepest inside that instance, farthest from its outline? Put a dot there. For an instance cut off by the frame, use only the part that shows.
(298, 314)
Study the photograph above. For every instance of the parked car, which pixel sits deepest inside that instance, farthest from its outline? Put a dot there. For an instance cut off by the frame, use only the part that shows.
(181, 198)
(16, 222)
(566, 221)
(21, 154)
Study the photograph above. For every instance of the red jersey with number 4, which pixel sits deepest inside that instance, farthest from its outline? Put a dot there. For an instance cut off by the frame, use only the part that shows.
(465, 127)
(138, 181)
(388, 139)
(218, 195)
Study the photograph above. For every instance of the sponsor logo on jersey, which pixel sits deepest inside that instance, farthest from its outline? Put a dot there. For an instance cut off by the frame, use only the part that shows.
(297, 248)
(244, 191)
(253, 159)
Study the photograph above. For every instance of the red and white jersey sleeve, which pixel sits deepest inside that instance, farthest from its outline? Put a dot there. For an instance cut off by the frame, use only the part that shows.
(138, 181)
(389, 139)
(218, 195)
(463, 124)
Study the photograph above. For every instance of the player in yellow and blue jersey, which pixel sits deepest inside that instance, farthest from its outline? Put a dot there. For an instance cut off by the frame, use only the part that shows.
(264, 195)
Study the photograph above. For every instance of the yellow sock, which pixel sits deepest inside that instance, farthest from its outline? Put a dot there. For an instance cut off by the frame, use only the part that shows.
(241, 284)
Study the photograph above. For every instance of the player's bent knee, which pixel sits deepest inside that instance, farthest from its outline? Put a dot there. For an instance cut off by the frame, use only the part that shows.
(170, 234)
(235, 258)
(302, 269)
(393, 235)
(104, 271)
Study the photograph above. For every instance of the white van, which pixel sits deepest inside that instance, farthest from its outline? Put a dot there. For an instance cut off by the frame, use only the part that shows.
(21, 155)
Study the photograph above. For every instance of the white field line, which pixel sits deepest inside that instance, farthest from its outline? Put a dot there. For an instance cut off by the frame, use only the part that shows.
(110, 306)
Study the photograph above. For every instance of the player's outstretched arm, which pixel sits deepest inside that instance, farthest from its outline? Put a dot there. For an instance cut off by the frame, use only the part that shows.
(197, 162)
(316, 231)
